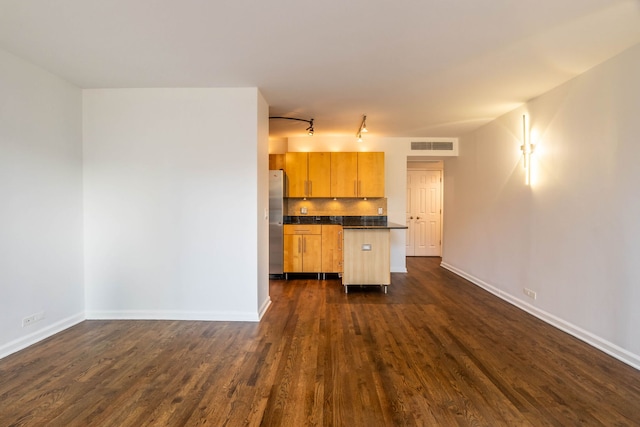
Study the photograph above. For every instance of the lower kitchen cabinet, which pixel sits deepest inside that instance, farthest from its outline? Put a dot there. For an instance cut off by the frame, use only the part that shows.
(302, 248)
(332, 248)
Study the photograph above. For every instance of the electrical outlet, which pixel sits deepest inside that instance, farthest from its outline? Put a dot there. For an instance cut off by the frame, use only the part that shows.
(528, 292)
(29, 320)
(380, 211)
(303, 210)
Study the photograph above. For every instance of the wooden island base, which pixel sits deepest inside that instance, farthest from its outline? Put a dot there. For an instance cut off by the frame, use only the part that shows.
(366, 257)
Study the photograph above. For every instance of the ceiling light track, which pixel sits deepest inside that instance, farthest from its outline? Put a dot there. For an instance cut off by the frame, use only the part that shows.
(309, 129)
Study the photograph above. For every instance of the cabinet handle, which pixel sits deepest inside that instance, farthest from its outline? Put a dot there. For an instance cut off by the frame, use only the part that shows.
(299, 244)
(306, 188)
(310, 188)
(304, 245)
(355, 188)
(340, 240)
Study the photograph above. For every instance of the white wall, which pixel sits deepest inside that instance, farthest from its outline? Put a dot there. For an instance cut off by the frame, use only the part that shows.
(174, 224)
(41, 203)
(574, 235)
(396, 150)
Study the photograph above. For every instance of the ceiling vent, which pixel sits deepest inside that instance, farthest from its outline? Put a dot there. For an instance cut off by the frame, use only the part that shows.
(432, 145)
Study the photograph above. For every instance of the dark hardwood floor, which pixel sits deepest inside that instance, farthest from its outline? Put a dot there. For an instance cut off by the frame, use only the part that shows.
(434, 351)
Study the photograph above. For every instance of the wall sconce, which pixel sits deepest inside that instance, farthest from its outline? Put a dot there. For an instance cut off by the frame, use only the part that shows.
(363, 128)
(310, 121)
(527, 150)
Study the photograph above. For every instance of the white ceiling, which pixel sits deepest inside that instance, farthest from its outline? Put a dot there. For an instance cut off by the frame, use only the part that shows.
(415, 67)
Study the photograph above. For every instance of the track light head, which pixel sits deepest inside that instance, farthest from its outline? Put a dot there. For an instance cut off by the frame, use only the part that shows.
(362, 128)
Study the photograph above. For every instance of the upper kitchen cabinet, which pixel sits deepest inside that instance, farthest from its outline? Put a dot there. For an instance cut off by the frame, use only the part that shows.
(296, 168)
(370, 174)
(308, 174)
(344, 174)
(357, 174)
(276, 161)
(319, 174)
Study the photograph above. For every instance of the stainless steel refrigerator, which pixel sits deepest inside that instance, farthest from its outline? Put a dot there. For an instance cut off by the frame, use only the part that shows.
(276, 213)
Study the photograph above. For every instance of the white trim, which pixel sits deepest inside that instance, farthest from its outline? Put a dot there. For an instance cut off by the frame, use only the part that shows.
(608, 347)
(39, 335)
(264, 308)
(399, 269)
(217, 316)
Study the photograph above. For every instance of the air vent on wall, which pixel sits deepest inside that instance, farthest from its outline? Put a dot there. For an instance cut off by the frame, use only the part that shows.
(435, 145)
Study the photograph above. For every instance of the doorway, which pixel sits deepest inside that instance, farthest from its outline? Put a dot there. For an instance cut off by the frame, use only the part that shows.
(424, 209)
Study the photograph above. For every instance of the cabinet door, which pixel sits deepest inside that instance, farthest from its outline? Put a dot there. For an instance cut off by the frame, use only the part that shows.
(344, 174)
(292, 253)
(332, 248)
(312, 253)
(370, 174)
(319, 175)
(296, 169)
(276, 161)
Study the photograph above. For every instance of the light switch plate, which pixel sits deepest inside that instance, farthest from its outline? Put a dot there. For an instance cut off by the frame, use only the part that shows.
(303, 211)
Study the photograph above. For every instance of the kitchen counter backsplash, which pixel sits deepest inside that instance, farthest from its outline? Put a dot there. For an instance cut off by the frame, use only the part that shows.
(340, 220)
(337, 207)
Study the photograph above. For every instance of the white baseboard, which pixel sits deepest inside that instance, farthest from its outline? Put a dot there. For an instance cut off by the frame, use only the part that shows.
(610, 348)
(264, 308)
(218, 316)
(39, 335)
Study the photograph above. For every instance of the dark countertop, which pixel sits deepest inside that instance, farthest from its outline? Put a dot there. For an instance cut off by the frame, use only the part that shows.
(348, 222)
(387, 226)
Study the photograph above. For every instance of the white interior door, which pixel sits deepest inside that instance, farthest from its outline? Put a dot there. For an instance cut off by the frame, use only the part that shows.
(424, 214)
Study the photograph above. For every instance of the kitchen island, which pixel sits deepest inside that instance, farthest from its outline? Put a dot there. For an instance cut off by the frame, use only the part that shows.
(367, 254)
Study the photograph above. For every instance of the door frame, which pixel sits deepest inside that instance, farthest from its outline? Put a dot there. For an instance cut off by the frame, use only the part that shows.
(419, 163)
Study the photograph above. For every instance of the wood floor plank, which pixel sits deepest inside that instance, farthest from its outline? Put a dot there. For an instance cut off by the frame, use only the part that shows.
(435, 350)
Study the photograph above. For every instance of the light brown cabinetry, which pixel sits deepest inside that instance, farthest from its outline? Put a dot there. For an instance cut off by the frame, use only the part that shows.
(296, 168)
(313, 248)
(332, 248)
(302, 248)
(319, 174)
(370, 174)
(276, 161)
(357, 174)
(308, 174)
(344, 174)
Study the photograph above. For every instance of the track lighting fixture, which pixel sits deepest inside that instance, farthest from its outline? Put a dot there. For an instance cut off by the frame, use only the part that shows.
(363, 128)
(309, 130)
